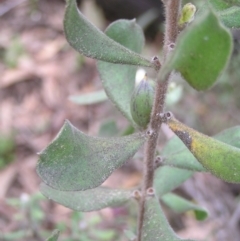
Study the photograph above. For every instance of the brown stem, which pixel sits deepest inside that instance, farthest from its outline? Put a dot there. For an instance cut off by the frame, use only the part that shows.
(172, 13)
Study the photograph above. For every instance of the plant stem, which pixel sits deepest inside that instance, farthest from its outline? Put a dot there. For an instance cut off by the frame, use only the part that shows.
(172, 12)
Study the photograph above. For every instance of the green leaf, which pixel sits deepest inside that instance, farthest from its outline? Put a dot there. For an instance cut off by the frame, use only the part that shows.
(91, 42)
(176, 154)
(167, 179)
(130, 235)
(230, 17)
(119, 80)
(219, 5)
(202, 51)
(54, 236)
(75, 161)
(217, 157)
(108, 129)
(89, 98)
(181, 205)
(89, 200)
(155, 225)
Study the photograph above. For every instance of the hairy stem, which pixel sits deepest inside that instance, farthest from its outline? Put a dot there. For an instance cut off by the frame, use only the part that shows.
(171, 32)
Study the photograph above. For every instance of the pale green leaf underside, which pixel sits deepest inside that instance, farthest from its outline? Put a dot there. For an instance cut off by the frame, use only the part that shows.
(181, 205)
(167, 179)
(155, 225)
(89, 98)
(176, 154)
(119, 80)
(75, 161)
(88, 200)
(91, 42)
(54, 236)
(202, 51)
(220, 5)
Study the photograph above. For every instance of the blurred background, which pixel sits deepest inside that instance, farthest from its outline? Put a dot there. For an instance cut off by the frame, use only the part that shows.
(39, 71)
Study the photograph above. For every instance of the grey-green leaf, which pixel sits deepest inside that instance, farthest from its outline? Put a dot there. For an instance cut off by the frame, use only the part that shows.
(119, 80)
(202, 51)
(182, 205)
(91, 42)
(89, 200)
(176, 154)
(230, 17)
(167, 179)
(75, 161)
(155, 225)
(89, 98)
(54, 236)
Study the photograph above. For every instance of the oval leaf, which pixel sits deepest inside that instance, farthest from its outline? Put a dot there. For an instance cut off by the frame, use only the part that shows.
(167, 179)
(219, 158)
(202, 51)
(119, 80)
(75, 161)
(155, 225)
(182, 205)
(89, 200)
(91, 42)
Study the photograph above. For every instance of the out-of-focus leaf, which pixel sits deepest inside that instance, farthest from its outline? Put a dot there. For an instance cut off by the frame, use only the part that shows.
(176, 154)
(217, 157)
(89, 200)
(181, 205)
(108, 129)
(130, 235)
(167, 179)
(202, 51)
(91, 42)
(219, 5)
(155, 225)
(90, 98)
(119, 80)
(54, 236)
(75, 161)
(230, 17)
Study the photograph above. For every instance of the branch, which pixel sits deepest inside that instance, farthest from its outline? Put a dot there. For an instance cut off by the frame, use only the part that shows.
(172, 12)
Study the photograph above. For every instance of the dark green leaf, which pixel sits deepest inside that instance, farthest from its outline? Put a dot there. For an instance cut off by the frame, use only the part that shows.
(89, 200)
(181, 205)
(90, 41)
(167, 179)
(155, 225)
(90, 98)
(119, 80)
(75, 161)
(202, 51)
(54, 236)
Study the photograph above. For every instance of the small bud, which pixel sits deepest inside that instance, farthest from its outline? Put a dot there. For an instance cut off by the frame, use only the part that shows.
(141, 103)
(187, 14)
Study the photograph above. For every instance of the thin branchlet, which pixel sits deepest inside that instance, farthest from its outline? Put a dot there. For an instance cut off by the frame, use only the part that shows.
(172, 8)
